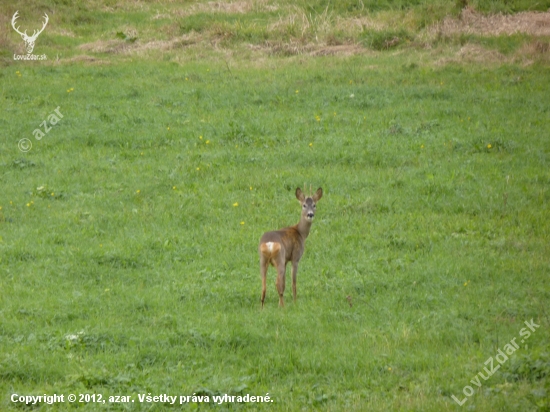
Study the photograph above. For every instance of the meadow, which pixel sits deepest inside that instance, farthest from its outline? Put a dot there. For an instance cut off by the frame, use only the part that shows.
(129, 231)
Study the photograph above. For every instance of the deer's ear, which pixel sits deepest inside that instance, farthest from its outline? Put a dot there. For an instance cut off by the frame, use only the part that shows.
(318, 195)
(300, 195)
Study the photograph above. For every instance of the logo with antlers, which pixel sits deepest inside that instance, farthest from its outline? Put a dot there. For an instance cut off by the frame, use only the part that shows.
(29, 40)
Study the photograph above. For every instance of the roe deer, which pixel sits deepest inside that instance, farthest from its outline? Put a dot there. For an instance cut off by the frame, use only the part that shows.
(287, 245)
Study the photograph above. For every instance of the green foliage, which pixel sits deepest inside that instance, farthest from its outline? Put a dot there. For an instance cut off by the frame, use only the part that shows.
(530, 366)
(509, 6)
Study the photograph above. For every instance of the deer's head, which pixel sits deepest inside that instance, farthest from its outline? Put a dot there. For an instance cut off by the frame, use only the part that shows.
(308, 202)
(29, 40)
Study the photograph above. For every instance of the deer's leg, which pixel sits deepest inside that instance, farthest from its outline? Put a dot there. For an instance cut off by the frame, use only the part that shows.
(264, 264)
(294, 274)
(281, 269)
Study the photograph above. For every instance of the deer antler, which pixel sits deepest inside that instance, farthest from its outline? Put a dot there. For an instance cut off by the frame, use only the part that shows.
(35, 33)
(15, 16)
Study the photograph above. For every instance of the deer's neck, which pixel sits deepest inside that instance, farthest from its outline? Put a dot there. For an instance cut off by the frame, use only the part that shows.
(304, 227)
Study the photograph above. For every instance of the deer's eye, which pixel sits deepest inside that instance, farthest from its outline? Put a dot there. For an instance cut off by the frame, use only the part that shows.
(304, 206)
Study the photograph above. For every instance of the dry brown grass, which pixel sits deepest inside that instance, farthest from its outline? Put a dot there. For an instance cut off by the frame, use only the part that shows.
(296, 32)
(118, 46)
(339, 50)
(62, 32)
(471, 22)
(83, 58)
(232, 7)
(535, 50)
(530, 52)
(359, 24)
(180, 42)
(106, 46)
(305, 25)
(472, 53)
(307, 49)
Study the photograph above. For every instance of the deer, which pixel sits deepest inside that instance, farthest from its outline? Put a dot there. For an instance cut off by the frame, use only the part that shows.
(29, 40)
(287, 245)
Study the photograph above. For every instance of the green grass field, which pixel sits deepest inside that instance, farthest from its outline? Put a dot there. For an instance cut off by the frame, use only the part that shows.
(129, 231)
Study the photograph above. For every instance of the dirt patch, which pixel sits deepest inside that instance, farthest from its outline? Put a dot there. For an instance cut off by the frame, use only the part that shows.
(471, 22)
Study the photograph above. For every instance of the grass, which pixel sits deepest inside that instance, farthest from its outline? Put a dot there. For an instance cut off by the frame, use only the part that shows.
(114, 29)
(129, 231)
